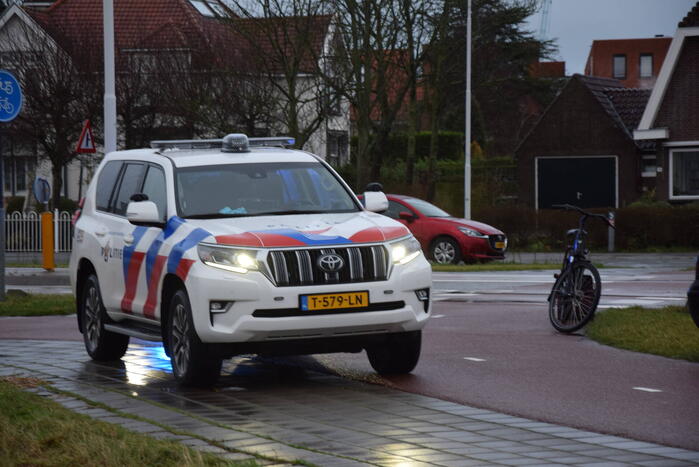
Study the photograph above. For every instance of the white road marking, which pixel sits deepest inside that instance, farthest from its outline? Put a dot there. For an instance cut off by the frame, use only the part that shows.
(474, 359)
(437, 316)
(639, 388)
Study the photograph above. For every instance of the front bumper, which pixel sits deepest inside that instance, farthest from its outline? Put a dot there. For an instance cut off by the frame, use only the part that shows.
(253, 292)
(479, 248)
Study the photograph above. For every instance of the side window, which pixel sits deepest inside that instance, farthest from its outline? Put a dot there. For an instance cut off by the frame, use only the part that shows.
(130, 184)
(154, 186)
(394, 209)
(105, 184)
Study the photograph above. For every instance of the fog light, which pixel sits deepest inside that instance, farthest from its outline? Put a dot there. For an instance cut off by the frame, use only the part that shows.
(424, 296)
(219, 306)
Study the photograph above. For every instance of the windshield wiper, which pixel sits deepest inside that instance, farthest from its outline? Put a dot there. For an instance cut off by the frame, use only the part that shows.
(218, 215)
(214, 215)
(291, 211)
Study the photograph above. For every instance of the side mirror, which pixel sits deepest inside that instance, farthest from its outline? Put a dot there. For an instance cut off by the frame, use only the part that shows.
(375, 201)
(144, 213)
(406, 216)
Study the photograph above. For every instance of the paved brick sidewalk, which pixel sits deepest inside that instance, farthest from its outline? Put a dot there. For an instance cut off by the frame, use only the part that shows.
(285, 413)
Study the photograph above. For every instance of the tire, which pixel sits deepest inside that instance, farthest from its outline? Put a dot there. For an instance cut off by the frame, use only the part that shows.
(101, 345)
(399, 354)
(574, 297)
(191, 364)
(445, 250)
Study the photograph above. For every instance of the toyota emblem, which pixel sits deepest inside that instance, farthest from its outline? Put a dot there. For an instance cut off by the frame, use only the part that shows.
(331, 262)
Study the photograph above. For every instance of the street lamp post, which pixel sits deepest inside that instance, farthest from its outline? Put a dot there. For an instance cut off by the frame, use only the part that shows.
(110, 119)
(467, 119)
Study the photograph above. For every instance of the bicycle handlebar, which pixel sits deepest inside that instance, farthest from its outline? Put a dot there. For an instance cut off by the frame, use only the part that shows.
(570, 207)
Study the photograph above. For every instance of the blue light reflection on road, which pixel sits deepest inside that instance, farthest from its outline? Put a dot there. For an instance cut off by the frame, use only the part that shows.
(145, 363)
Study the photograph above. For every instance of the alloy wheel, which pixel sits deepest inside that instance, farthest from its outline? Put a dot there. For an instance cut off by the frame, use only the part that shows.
(444, 253)
(93, 317)
(180, 339)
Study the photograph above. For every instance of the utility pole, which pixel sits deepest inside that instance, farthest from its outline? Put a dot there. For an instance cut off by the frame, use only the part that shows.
(110, 119)
(467, 120)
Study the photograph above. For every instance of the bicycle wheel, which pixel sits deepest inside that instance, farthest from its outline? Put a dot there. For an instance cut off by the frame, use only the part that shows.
(574, 297)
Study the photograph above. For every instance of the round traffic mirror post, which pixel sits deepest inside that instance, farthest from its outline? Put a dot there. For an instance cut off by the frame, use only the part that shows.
(10, 105)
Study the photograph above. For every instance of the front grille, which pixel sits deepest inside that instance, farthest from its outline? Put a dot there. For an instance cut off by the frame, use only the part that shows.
(492, 239)
(292, 268)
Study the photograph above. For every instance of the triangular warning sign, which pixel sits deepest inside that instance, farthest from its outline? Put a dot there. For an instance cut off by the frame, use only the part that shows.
(86, 143)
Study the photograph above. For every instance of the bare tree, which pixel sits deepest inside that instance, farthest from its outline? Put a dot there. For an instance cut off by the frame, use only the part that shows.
(60, 92)
(281, 40)
(373, 74)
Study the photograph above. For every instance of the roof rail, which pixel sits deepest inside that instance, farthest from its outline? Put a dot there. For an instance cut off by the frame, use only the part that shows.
(275, 141)
(186, 144)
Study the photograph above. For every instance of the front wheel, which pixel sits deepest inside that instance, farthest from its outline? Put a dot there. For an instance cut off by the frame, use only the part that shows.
(574, 297)
(101, 345)
(445, 250)
(398, 354)
(191, 364)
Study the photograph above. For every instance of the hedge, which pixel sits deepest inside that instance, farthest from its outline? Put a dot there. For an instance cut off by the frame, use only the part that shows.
(450, 145)
(637, 228)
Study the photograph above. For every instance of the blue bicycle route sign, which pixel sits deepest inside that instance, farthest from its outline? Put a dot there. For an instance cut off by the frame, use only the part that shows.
(10, 96)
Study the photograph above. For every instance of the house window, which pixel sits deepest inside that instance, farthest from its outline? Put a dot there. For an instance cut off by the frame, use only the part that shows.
(645, 65)
(337, 148)
(620, 66)
(17, 173)
(684, 174)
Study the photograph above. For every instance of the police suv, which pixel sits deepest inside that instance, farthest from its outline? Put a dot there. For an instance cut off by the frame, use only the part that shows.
(234, 246)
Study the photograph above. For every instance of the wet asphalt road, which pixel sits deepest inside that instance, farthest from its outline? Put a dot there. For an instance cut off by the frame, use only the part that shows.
(490, 345)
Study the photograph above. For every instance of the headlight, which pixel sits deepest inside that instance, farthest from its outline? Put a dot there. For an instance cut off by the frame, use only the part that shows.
(405, 250)
(228, 259)
(471, 232)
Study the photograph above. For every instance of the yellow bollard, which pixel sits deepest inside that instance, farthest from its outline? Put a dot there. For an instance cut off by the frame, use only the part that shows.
(47, 240)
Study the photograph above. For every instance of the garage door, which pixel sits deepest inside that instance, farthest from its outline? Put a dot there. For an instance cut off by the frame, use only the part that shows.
(588, 182)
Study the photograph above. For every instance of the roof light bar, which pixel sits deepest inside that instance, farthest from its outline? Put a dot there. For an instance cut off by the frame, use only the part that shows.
(275, 141)
(234, 142)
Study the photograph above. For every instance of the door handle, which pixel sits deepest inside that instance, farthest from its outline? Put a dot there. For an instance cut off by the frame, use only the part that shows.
(128, 240)
(101, 232)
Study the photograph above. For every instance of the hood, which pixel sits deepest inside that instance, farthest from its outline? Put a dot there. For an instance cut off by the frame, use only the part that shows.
(302, 230)
(471, 224)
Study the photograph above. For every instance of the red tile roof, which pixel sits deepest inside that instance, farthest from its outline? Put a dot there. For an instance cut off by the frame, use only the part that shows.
(624, 106)
(692, 18)
(168, 24)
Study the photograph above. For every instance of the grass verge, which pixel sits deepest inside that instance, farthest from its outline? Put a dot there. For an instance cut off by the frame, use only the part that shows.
(668, 331)
(37, 431)
(22, 304)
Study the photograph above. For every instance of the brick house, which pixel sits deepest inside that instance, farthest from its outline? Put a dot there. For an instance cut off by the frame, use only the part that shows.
(582, 149)
(634, 62)
(196, 32)
(671, 118)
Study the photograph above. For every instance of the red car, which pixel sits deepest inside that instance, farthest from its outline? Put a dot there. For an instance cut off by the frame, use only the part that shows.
(444, 238)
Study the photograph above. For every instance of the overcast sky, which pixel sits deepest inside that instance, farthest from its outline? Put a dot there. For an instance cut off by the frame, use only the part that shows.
(576, 23)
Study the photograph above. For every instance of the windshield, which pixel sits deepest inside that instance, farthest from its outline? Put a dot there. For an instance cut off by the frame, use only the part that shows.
(239, 190)
(427, 209)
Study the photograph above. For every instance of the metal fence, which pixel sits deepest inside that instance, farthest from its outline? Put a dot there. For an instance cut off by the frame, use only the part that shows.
(23, 232)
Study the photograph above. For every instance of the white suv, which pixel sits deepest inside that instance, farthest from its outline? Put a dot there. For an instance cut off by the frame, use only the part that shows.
(236, 246)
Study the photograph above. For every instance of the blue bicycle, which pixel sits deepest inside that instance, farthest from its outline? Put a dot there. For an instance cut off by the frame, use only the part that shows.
(575, 294)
